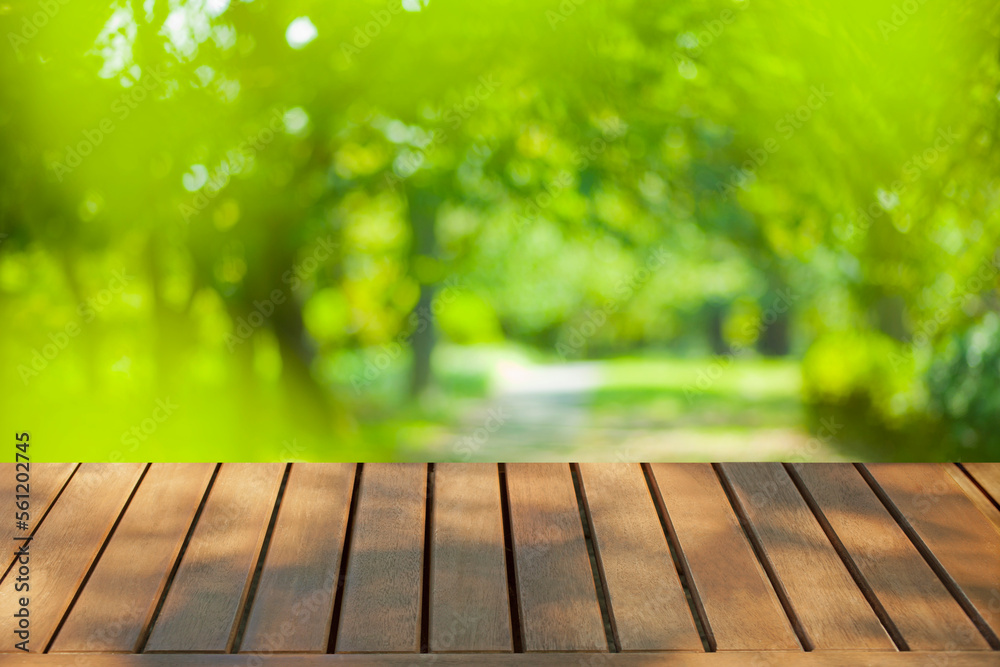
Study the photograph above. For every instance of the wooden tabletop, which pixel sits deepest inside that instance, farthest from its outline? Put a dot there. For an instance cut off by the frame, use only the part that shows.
(519, 564)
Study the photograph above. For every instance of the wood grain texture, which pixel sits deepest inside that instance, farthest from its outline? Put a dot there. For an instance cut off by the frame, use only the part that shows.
(914, 536)
(927, 616)
(115, 608)
(952, 530)
(469, 608)
(831, 609)
(209, 591)
(559, 610)
(732, 589)
(382, 591)
(988, 476)
(649, 610)
(65, 546)
(634, 659)
(46, 481)
(974, 494)
(294, 601)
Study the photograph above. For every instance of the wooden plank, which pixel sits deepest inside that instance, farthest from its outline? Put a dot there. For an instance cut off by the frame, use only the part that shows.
(203, 605)
(832, 611)
(974, 494)
(115, 608)
(559, 610)
(46, 480)
(469, 609)
(634, 659)
(988, 476)
(649, 610)
(294, 601)
(383, 586)
(64, 547)
(926, 615)
(729, 585)
(949, 529)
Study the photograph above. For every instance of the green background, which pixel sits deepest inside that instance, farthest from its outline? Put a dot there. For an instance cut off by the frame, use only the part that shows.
(686, 230)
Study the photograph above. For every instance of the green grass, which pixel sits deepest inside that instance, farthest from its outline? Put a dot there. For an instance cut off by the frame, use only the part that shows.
(666, 393)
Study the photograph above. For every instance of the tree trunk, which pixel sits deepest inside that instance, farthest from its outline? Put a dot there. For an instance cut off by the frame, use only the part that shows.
(716, 339)
(890, 316)
(774, 339)
(170, 370)
(422, 342)
(423, 205)
(306, 399)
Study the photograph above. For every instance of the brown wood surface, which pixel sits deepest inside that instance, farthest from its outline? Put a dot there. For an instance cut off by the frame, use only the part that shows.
(648, 608)
(294, 602)
(559, 610)
(46, 481)
(207, 595)
(116, 606)
(988, 476)
(64, 548)
(737, 601)
(382, 591)
(633, 659)
(920, 540)
(927, 616)
(975, 494)
(832, 612)
(469, 608)
(952, 531)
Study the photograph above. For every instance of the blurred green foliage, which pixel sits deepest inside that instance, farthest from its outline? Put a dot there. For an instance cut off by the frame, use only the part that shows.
(301, 199)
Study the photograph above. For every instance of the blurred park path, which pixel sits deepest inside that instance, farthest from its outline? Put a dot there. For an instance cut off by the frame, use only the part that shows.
(583, 411)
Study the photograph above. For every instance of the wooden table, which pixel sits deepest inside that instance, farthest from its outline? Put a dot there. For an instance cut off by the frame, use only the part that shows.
(513, 564)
